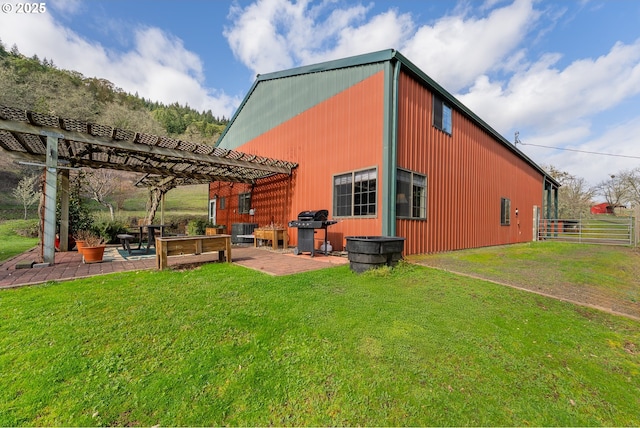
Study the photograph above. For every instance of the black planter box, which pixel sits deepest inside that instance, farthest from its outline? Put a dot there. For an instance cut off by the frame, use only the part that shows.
(369, 252)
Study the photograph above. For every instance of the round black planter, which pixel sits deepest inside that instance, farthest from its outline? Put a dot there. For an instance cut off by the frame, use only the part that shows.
(369, 252)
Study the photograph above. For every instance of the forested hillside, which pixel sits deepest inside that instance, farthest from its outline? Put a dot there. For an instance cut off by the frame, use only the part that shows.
(38, 85)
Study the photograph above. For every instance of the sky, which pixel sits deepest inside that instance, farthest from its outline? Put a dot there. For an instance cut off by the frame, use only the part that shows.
(564, 75)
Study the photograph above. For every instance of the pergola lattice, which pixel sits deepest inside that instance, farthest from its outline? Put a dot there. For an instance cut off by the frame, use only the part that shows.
(59, 142)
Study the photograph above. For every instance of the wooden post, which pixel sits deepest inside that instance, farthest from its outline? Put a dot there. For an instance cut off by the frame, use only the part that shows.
(51, 178)
(64, 210)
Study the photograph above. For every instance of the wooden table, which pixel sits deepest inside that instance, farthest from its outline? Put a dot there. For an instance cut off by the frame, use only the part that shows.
(181, 245)
(273, 235)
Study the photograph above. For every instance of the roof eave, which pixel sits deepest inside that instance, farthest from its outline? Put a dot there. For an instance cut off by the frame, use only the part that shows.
(432, 84)
(382, 56)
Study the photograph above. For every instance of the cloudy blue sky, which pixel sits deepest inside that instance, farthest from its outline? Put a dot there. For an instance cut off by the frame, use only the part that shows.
(565, 75)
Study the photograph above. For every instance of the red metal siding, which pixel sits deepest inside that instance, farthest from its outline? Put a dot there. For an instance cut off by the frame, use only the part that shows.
(341, 134)
(468, 173)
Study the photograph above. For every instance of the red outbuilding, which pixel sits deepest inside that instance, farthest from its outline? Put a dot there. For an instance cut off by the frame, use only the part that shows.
(388, 152)
(605, 208)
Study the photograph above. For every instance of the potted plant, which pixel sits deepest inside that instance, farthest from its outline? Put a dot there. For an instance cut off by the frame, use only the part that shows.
(81, 239)
(93, 249)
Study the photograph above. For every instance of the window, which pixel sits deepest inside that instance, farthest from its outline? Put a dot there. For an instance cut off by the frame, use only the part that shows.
(354, 193)
(244, 203)
(223, 203)
(505, 211)
(441, 115)
(411, 195)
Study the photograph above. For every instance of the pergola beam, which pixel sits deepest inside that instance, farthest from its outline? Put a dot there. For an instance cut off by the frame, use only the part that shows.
(130, 146)
(204, 178)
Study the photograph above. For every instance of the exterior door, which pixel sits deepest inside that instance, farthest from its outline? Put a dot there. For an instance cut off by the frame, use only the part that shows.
(212, 211)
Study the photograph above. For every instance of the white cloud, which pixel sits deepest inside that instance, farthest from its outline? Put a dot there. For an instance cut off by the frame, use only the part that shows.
(157, 66)
(456, 49)
(69, 7)
(547, 97)
(620, 140)
(272, 35)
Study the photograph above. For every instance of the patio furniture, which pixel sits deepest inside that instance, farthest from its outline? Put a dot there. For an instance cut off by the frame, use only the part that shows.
(184, 245)
(152, 230)
(125, 240)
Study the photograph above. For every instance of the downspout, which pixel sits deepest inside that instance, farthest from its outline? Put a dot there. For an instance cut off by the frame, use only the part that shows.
(390, 156)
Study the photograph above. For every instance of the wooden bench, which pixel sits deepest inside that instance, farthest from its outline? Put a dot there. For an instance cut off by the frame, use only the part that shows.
(181, 245)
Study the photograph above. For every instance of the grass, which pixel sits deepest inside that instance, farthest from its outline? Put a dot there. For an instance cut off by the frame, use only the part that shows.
(12, 244)
(567, 270)
(183, 199)
(224, 345)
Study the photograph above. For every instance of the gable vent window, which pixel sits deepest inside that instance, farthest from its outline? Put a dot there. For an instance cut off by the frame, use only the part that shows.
(442, 115)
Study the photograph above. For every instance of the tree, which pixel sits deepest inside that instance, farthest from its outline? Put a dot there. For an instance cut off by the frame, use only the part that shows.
(27, 192)
(614, 190)
(630, 179)
(100, 184)
(156, 192)
(575, 197)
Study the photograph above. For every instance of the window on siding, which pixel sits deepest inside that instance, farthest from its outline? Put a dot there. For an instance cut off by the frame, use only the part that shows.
(355, 193)
(411, 195)
(244, 203)
(442, 115)
(505, 211)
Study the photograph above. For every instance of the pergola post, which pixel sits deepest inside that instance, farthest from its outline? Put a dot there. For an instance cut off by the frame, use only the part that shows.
(64, 210)
(50, 191)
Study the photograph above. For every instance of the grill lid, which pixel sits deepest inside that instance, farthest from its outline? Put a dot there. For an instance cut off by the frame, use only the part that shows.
(318, 215)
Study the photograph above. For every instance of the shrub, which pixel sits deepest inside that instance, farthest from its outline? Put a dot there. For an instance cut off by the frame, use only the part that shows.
(109, 230)
(30, 229)
(197, 226)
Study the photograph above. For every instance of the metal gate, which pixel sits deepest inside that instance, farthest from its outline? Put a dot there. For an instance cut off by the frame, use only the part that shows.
(608, 230)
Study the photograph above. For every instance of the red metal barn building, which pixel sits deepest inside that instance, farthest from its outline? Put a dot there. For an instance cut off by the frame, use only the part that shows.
(388, 152)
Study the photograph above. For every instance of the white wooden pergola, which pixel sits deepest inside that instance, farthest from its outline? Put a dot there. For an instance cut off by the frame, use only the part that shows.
(59, 144)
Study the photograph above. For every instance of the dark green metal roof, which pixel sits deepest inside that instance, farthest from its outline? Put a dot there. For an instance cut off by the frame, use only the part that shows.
(276, 97)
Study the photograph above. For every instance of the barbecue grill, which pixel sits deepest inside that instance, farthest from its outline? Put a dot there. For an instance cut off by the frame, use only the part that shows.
(307, 223)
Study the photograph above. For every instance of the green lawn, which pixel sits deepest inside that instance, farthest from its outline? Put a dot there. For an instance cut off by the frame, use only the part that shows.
(595, 274)
(12, 244)
(224, 345)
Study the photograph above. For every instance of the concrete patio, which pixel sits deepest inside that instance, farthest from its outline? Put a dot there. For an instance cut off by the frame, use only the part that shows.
(69, 265)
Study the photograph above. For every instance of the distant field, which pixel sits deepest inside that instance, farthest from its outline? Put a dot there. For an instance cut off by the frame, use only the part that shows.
(181, 200)
(185, 200)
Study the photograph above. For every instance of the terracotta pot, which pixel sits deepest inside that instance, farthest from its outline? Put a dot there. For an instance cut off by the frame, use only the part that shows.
(93, 254)
(70, 243)
(80, 245)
